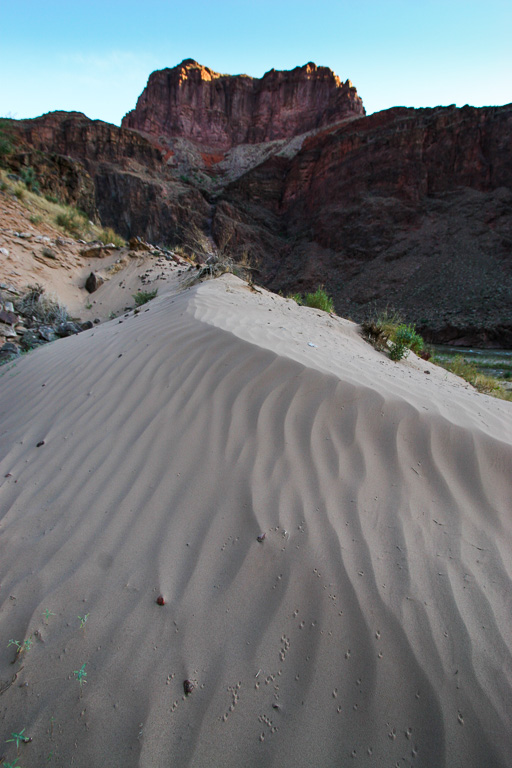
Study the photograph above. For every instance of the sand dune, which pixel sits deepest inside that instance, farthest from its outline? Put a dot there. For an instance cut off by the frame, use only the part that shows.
(370, 627)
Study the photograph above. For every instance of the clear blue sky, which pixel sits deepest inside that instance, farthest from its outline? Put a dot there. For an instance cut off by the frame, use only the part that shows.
(95, 57)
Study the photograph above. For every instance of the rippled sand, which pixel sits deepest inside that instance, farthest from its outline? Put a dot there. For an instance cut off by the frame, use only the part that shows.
(372, 624)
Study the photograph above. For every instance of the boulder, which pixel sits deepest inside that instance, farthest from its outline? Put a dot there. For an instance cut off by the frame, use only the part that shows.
(30, 340)
(93, 252)
(8, 350)
(46, 332)
(7, 331)
(93, 282)
(8, 317)
(67, 329)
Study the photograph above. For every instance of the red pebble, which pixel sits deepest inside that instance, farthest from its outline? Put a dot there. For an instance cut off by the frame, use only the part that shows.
(160, 600)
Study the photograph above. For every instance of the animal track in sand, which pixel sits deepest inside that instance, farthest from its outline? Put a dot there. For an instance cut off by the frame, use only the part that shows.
(234, 690)
(285, 647)
(230, 540)
(270, 726)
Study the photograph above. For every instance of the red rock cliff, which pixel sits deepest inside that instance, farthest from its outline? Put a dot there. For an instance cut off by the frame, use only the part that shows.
(222, 111)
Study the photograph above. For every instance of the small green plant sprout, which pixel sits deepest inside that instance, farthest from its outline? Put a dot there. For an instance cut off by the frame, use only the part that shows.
(11, 765)
(26, 645)
(142, 297)
(83, 620)
(47, 613)
(81, 674)
(19, 738)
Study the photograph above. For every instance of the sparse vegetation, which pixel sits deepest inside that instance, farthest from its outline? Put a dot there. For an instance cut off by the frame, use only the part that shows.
(108, 236)
(28, 176)
(73, 222)
(388, 333)
(20, 192)
(11, 765)
(19, 738)
(142, 297)
(38, 304)
(47, 613)
(35, 218)
(317, 300)
(81, 674)
(487, 385)
(83, 620)
(6, 143)
(21, 647)
(403, 339)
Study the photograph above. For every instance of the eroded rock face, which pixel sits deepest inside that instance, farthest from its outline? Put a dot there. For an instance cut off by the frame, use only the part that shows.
(74, 134)
(405, 208)
(128, 184)
(221, 111)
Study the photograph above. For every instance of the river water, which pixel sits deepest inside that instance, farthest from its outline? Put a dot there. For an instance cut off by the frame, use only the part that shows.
(492, 362)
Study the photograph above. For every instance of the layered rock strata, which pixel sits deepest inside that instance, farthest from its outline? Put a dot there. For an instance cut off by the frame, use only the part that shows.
(222, 111)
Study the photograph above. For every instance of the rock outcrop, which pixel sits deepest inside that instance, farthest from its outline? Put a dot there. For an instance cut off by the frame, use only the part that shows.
(407, 207)
(410, 208)
(127, 182)
(222, 111)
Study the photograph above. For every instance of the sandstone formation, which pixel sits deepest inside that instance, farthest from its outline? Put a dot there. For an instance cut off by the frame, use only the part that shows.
(222, 111)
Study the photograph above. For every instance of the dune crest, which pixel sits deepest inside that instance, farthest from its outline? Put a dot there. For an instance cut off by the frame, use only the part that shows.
(371, 625)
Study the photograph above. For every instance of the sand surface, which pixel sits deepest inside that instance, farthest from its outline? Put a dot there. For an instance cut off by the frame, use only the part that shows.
(372, 626)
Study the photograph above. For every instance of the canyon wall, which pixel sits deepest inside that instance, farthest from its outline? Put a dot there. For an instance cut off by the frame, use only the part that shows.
(406, 207)
(221, 111)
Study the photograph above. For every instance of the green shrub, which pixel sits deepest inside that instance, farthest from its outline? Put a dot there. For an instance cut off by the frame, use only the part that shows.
(73, 222)
(20, 192)
(388, 333)
(52, 199)
(107, 236)
(403, 339)
(318, 300)
(6, 145)
(142, 297)
(28, 176)
(36, 218)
